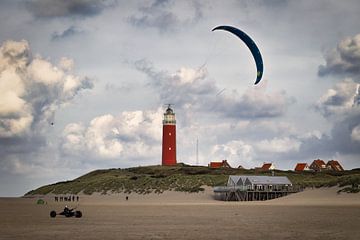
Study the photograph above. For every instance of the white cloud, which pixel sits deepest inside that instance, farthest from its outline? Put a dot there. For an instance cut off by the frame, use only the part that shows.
(189, 75)
(236, 152)
(15, 112)
(32, 89)
(345, 58)
(279, 145)
(14, 54)
(340, 99)
(66, 64)
(44, 72)
(131, 135)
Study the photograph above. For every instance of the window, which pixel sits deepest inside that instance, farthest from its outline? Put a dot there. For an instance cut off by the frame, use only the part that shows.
(169, 148)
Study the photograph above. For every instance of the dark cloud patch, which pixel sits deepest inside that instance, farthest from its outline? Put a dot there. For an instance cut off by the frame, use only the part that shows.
(67, 8)
(165, 16)
(344, 59)
(341, 140)
(21, 145)
(253, 104)
(66, 33)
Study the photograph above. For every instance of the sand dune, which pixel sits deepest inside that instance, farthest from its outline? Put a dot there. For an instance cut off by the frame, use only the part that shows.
(312, 214)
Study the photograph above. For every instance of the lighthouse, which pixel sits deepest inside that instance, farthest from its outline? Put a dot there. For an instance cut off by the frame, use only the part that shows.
(169, 138)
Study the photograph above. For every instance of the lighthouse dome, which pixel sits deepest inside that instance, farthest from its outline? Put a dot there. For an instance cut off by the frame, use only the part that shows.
(169, 111)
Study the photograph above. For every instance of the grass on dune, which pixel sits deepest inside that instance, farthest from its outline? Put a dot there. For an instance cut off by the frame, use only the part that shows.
(184, 178)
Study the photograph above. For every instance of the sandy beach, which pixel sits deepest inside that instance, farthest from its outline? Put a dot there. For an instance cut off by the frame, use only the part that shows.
(312, 214)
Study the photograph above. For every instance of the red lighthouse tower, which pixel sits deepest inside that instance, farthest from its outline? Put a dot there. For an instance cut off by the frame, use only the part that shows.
(169, 138)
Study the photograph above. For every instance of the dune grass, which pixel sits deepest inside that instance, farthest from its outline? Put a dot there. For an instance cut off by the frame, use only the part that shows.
(184, 178)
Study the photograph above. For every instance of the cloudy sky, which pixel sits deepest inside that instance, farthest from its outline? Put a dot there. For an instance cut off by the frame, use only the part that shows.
(83, 85)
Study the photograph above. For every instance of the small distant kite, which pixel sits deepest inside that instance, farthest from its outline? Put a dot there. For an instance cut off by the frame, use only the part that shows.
(251, 45)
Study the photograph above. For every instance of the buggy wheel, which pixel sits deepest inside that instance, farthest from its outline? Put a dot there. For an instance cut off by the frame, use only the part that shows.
(78, 214)
(52, 214)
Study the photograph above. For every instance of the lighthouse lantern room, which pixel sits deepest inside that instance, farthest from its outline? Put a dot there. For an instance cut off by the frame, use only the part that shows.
(169, 138)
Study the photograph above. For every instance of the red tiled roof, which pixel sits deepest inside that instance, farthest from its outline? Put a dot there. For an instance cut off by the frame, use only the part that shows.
(223, 163)
(300, 166)
(216, 164)
(335, 165)
(266, 166)
(320, 163)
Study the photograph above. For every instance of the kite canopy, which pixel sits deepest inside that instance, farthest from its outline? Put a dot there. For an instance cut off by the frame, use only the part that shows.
(251, 45)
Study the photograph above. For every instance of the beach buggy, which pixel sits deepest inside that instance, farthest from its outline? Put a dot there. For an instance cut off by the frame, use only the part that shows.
(67, 212)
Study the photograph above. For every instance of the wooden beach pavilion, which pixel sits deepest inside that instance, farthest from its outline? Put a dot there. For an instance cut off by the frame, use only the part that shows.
(254, 188)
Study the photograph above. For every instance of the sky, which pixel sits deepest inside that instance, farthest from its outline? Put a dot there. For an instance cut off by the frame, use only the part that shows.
(84, 85)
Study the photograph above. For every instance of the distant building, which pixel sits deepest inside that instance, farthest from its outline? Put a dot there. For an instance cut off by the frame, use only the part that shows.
(302, 167)
(267, 167)
(222, 164)
(318, 165)
(334, 165)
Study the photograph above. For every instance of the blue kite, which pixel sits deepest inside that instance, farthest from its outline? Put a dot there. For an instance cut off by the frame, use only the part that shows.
(251, 45)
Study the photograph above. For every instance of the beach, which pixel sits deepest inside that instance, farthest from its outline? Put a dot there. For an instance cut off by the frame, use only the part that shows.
(311, 214)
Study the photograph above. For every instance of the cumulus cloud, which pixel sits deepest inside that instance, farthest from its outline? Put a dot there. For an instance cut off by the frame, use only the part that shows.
(191, 89)
(67, 8)
(341, 104)
(161, 15)
(32, 89)
(344, 59)
(340, 99)
(235, 151)
(129, 136)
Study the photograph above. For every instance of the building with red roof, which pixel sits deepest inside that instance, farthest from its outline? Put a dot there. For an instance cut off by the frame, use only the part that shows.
(302, 167)
(267, 167)
(222, 164)
(334, 165)
(318, 165)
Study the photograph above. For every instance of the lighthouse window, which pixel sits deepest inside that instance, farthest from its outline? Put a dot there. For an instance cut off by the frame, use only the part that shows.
(169, 148)
(169, 134)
